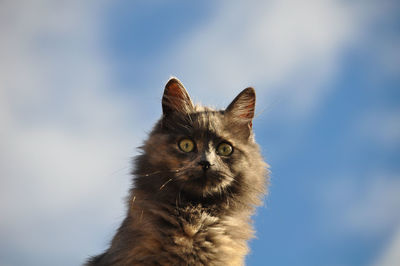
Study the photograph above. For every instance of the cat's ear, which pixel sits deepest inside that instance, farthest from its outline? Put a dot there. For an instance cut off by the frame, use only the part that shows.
(241, 109)
(176, 98)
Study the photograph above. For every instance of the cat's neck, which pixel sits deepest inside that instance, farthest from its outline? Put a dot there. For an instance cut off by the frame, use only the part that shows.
(219, 205)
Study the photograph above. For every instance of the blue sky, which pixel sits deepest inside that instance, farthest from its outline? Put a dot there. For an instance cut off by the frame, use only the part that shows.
(81, 83)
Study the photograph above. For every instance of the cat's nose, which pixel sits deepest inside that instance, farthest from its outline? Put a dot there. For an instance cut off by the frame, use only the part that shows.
(205, 164)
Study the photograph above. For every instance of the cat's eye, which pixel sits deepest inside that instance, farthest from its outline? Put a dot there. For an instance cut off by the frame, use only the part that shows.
(224, 149)
(186, 145)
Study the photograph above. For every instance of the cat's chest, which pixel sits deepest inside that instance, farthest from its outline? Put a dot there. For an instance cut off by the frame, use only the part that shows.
(204, 235)
(197, 228)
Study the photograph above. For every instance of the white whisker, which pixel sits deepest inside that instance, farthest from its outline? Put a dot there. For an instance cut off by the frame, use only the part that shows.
(163, 185)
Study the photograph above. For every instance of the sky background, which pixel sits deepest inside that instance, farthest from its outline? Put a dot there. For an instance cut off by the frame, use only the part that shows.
(81, 85)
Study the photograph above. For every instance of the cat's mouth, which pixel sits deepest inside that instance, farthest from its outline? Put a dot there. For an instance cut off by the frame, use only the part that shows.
(205, 176)
(206, 182)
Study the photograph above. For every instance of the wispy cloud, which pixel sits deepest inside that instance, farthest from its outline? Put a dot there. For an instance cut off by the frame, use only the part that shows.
(368, 208)
(64, 134)
(377, 207)
(382, 127)
(289, 50)
(391, 254)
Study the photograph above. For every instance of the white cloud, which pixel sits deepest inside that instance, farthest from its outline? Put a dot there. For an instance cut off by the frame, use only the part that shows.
(381, 127)
(289, 50)
(376, 208)
(367, 207)
(391, 254)
(63, 134)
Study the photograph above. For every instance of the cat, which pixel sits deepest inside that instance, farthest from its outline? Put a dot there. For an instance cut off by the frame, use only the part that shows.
(196, 184)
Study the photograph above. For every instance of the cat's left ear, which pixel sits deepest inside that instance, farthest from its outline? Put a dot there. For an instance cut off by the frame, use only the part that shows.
(176, 98)
(241, 109)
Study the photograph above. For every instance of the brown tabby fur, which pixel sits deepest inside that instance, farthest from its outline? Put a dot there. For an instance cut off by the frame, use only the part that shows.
(179, 213)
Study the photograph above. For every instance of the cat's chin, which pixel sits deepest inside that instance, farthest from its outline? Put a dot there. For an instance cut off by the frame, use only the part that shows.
(206, 183)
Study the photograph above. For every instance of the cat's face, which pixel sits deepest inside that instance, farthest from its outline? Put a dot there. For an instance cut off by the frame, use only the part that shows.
(201, 151)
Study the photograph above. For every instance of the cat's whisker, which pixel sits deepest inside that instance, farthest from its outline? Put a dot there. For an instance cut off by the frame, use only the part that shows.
(229, 194)
(141, 216)
(176, 202)
(149, 174)
(132, 202)
(163, 171)
(178, 198)
(163, 185)
(119, 170)
(220, 192)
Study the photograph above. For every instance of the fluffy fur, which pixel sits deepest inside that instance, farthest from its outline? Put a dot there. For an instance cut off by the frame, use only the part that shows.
(180, 212)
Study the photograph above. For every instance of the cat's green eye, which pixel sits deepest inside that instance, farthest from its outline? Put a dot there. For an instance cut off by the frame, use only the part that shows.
(186, 145)
(224, 149)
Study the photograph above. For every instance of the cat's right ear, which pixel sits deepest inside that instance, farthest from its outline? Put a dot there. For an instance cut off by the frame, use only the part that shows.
(241, 111)
(242, 107)
(176, 98)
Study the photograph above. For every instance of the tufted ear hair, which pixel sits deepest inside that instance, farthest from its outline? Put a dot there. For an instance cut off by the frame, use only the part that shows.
(176, 98)
(241, 109)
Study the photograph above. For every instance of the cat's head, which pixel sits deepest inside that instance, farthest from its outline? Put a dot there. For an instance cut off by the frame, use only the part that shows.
(202, 152)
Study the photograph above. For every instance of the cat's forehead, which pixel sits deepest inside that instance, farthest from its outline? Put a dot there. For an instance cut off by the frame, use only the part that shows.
(205, 121)
(207, 116)
(200, 108)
